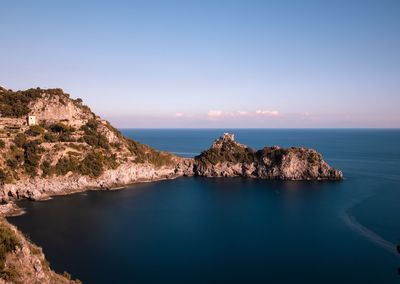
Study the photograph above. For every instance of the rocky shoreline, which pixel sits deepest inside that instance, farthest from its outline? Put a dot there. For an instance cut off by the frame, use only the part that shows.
(40, 188)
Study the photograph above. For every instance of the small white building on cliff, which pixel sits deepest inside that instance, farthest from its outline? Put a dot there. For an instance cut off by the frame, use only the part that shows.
(31, 120)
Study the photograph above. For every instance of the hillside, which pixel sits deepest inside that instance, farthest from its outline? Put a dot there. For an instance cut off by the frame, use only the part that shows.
(58, 144)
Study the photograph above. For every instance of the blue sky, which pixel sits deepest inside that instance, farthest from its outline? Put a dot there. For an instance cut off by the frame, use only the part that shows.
(211, 63)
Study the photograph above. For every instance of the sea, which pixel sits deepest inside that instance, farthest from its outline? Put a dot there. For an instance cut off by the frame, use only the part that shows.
(235, 230)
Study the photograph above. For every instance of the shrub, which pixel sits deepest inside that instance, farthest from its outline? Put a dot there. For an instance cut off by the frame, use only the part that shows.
(117, 146)
(47, 169)
(229, 152)
(15, 104)
(97, 140)
(31, 156)
(2, 144)
(77, 147)
(12, 163)
(273, 153)
(66, 137)
(17, 154)
(138, 150)
(92, 165)
(92, 137)
(158, 158)
(92, 124)
(111, 161)
(20, 139)
(3, 177)
(35, 130)
(50, 137)
(61, 128)
(66, 164)
(8, 243)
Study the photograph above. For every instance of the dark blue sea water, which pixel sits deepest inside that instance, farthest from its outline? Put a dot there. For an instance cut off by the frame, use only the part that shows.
(198, 230)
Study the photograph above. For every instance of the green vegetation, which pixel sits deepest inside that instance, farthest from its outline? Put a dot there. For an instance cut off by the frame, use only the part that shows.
(48, 137)
(59, 132)
(92, 165)
(32, 152)
(16, 156)
(314, 157)
(12, 163)
(158, 159)
(8, 243)
(144, 153)
(61, 128)
(15, 104)
(20, 139)
(229, 152)
(65, 165)
(3, 177)
(35, 130)
(274, 154)
(93, 137)
(47, 169)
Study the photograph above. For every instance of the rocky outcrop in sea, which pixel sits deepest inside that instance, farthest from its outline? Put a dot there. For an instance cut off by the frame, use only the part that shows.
(228, 158)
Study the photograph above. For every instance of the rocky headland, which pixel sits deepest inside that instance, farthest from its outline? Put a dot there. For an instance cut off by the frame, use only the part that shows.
(228, 158)
(51, 144)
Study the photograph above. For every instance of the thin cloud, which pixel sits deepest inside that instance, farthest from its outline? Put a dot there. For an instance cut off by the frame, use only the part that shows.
(268, 112)
(215, 113)
(179, 114)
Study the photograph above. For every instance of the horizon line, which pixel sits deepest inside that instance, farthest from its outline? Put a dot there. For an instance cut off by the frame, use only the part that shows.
(265, 128)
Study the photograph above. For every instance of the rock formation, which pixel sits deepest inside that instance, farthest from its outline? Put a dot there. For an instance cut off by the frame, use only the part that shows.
(227, 158)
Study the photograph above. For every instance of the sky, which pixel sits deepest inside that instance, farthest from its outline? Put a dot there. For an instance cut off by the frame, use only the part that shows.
(211, 64)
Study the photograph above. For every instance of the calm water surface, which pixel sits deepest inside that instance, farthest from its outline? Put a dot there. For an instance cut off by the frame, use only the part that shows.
(198, 230)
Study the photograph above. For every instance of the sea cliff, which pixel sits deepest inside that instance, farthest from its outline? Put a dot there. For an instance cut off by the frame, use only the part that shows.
(23, 262)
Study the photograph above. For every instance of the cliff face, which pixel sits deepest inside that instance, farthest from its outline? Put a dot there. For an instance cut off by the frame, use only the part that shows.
(24, 262)
(37, 188)
(227, 158)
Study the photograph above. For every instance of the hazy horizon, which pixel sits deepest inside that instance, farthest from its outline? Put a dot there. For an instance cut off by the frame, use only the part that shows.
(212, 64)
